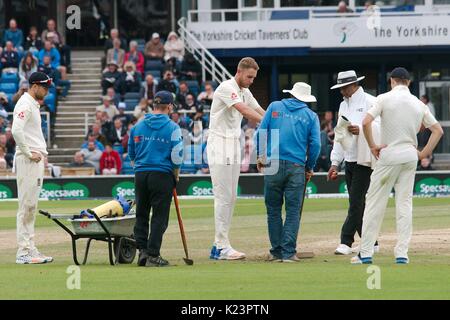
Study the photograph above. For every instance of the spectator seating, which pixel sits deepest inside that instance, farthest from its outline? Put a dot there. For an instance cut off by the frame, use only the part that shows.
(9, 87)
(131, 104)
(152, 65)
(119, 149)
(132, 96)
(9, 78)
(126, 166)
(155, 73)
(50, 101)
(131, 100)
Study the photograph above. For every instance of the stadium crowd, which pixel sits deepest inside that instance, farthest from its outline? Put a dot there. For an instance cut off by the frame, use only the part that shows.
(132, 74)
(20, 56)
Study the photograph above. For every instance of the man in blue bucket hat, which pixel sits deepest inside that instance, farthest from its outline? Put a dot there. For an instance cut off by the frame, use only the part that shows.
(156, 150)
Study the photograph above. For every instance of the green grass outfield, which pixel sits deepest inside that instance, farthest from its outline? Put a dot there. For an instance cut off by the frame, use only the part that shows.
(324, 277)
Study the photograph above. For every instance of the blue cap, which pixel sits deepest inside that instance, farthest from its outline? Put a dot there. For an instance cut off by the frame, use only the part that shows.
(163, 97)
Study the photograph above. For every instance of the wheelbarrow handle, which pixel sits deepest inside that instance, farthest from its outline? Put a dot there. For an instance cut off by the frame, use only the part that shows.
(58, 216)
(45, 213)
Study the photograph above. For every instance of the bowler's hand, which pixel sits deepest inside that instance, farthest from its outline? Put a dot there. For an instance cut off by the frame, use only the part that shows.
(353, 130)
(309, 175)
(36, 157)
(332, 173)
(376, 150)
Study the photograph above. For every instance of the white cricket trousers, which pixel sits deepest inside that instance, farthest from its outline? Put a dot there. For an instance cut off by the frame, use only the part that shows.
(224, 166)
(30, 176)
(383, 179)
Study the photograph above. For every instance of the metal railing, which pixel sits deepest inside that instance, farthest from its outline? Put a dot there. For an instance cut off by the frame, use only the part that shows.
(260, 14)
(47, 116)
(208, 62)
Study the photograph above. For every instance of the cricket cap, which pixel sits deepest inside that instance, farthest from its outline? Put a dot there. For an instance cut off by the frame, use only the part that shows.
(163, 97)
(41, 79)
(400, 73)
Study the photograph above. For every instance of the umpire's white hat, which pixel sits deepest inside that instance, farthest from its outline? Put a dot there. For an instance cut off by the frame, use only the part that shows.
(345, 78)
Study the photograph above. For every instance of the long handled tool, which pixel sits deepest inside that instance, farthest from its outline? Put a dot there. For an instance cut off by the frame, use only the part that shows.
(305, 254)
(188, 261)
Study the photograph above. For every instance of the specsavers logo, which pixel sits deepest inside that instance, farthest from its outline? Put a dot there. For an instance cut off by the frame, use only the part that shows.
(432, 186)
(203, 188)
(68, 191)
(343, 188)
(5, 192)
(124, 189)
(311, 188)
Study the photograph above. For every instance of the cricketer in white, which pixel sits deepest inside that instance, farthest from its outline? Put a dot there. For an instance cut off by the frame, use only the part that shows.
(232, 101)
(29, 166)
(402, 115)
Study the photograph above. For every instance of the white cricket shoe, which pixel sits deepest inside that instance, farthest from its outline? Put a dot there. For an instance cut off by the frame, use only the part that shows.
(230, 254)
(343, 250)
(36, 254)
(28, 259)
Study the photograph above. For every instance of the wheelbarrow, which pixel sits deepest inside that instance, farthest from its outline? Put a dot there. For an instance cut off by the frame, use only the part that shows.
(116, 231)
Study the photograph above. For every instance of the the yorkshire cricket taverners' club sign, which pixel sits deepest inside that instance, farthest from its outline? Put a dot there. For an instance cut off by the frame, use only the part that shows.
(326, 32)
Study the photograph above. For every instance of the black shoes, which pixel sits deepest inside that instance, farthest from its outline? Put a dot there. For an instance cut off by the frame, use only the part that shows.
(145, 260)
(142, 260)
(156, 262)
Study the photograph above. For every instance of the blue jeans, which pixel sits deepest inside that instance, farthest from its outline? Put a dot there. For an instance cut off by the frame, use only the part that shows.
(287, 184)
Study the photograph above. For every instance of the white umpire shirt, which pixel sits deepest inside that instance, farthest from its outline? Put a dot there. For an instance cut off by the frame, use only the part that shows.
(355, 110)
(26, 128)
(402, 115)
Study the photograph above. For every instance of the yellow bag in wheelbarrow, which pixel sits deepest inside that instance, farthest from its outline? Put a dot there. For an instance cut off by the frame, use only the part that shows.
(116, 208)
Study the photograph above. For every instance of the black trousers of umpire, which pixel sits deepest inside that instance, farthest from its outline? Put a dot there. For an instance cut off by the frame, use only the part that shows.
(358, 181)
(153, 192)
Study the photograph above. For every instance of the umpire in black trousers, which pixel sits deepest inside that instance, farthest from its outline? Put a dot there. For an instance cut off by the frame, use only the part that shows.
(156, 151)
(353, 108)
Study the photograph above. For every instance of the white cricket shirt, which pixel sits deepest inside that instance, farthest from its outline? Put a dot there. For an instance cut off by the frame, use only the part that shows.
(26, 128)
(225, 121)
(402, 115)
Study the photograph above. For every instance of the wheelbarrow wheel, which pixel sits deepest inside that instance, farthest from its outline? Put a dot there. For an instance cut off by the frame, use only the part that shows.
(127, 250)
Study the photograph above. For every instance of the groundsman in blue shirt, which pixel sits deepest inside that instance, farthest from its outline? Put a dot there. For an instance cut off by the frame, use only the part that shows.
(288, 148)
(155, 148)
